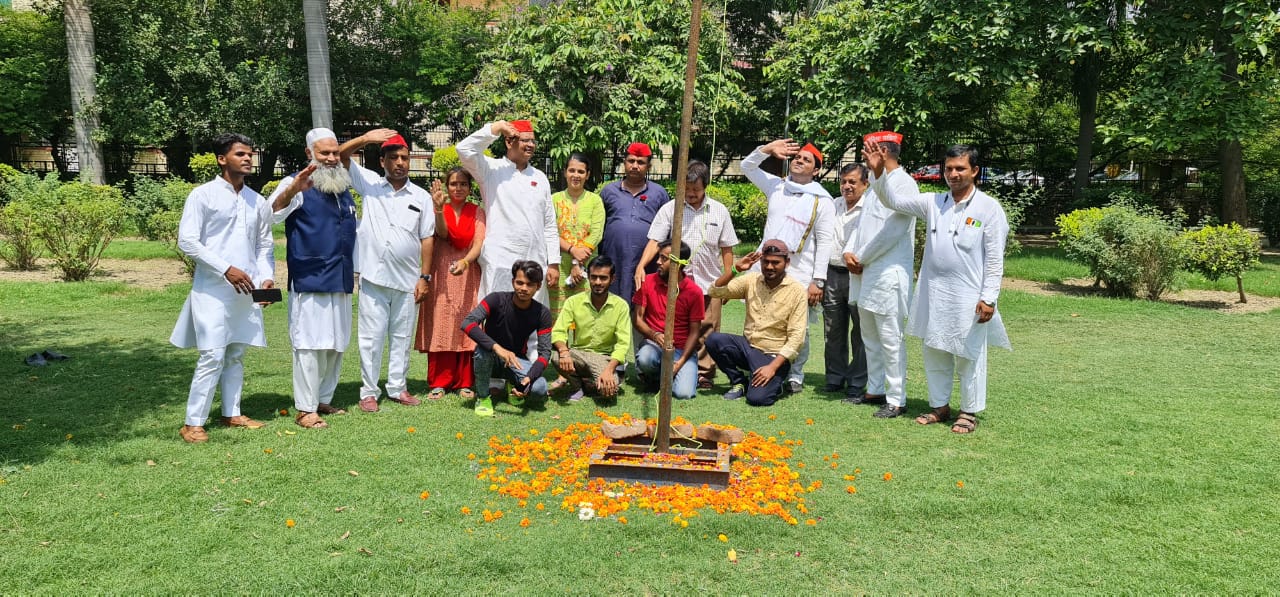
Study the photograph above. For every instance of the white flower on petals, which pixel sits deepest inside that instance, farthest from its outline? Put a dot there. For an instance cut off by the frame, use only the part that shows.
(586, 513)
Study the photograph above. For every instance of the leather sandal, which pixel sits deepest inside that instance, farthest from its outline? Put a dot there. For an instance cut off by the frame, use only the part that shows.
(965, 423)
(310, 421)
(328, 409)
(942, 414)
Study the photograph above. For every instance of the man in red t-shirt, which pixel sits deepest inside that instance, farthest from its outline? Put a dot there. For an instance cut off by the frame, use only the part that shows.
(649, 312)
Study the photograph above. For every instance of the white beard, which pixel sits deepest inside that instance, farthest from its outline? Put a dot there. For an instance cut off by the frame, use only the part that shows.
(330, 179)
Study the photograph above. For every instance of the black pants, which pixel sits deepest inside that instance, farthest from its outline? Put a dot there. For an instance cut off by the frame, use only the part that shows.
(738, 359)
(846, 360)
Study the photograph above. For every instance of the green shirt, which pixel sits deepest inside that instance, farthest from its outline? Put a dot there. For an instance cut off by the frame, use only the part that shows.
(607, 331)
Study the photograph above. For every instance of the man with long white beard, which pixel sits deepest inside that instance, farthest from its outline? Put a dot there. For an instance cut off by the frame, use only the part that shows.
(320, 228)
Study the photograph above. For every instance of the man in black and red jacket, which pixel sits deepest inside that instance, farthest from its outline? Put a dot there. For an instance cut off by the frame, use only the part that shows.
(501, 325)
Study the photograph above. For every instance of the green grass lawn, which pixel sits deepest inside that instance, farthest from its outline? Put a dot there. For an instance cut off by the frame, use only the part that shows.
(1128, 447)
(1043, 264)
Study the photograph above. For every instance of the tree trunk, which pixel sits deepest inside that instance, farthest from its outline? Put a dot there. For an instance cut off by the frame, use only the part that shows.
(80, 63)
(1230, 153)
(313, 15)
(1086, 84)
(1240, 287)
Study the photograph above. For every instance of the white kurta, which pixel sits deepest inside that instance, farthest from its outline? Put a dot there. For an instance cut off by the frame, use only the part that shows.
(520, 217)
(317, 320)
(963, 264)
(885, 245)
(221, 228)
(794, 209)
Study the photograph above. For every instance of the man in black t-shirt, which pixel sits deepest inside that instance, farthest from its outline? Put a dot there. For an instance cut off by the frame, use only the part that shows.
(501, 325)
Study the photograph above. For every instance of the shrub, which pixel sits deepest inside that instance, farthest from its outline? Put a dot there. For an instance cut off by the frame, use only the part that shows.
(165, 223)
(747, 206)
(1131, 251)
(204, 167)
(1015, 204)
(269, 188)
(445, 158)
(19, 243)
(78, 223)
(1217, 251)
(151, 197)
(1265, 203)
(7, 173)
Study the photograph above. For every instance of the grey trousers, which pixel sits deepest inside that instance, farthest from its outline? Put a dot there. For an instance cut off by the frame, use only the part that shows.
(846, 360)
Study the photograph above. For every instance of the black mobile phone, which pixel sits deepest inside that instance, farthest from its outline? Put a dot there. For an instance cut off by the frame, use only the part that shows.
(267, 295)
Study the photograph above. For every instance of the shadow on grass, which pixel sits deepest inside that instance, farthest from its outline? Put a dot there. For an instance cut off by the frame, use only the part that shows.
(97, 397)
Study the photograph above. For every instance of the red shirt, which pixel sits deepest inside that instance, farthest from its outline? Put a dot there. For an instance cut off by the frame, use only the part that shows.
(689, 305)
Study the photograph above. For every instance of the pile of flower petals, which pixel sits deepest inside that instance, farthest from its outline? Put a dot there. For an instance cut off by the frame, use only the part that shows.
(761, 483)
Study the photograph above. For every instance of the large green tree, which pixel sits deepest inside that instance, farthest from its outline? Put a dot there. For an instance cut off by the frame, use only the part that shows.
(598, 74)
(36, 101)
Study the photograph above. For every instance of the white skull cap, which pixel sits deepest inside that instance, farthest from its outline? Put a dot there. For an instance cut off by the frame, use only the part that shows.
(319, 133)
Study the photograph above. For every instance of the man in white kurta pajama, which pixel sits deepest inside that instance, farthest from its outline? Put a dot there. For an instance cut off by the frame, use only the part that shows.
(393, 243)
(521, 218)
(801, 215)
(883, 251)
(226, 229)
(319, 321)
(954, 310)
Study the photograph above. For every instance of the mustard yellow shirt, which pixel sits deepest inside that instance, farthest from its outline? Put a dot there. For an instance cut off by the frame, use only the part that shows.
(776, 317)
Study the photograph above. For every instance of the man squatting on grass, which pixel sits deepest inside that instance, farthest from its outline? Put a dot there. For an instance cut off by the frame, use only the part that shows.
(879, 257)
(394, 241)
(777, 315)
(501, 326)
(319, 218)
(650, 318)
(601, 324)
(226, 229)
(954, 309)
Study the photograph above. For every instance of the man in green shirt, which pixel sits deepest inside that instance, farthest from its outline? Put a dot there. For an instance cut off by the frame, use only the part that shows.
(601, 325)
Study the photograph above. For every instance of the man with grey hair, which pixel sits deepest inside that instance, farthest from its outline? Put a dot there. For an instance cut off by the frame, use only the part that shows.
(320, 227)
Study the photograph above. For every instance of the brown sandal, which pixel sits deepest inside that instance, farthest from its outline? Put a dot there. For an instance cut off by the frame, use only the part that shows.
(965, 423)
(942, 414)
(328, 409)
(310, 421)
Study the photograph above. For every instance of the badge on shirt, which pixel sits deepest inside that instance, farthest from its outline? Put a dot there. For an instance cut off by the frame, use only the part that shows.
(533, 183)
(972, 222)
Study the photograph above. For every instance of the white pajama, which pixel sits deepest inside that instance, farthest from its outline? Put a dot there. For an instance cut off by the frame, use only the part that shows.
(384, 313)
(941, 367)
(315, 377)
(886, 355)
(320, 329)
(802, 357)
(217, 367)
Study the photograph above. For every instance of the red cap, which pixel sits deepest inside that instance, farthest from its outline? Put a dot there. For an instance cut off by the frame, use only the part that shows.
(639, 149)
(395, 141)
(883, 137)
(522, 126)
(813, 150)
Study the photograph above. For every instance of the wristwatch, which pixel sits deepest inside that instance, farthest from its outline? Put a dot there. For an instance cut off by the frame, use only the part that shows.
(992, 305)
(820, 284)
(426, 278)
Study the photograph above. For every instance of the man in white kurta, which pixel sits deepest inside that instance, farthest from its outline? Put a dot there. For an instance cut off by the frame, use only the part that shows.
(319, 322)
(521, 218)
(883, 251)
(954, 309)
(393, 243)
(226, 229)
(801, 215)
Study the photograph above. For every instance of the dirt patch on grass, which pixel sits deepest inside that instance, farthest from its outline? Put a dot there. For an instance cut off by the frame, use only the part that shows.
(150, 274)
(1224, 302)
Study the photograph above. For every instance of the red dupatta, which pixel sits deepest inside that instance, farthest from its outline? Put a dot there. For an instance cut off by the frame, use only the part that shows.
(462, 227)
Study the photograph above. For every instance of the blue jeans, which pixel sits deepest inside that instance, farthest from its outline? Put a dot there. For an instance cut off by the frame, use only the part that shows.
(649, 361)
(487, 365)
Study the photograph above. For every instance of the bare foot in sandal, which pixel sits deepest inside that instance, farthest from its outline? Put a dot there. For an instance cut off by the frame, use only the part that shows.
(942, 414)
(328, 409)
(310, 421)
(965, 423)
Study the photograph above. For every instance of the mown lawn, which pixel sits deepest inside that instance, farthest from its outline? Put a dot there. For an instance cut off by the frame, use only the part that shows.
(1043, 264)
(1128, 447)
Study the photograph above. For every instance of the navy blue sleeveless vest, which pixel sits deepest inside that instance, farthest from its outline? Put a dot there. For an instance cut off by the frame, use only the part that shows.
(321, 236)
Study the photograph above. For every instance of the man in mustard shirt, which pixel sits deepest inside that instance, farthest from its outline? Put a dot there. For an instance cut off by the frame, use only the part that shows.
(601, 324)
(757, 362)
